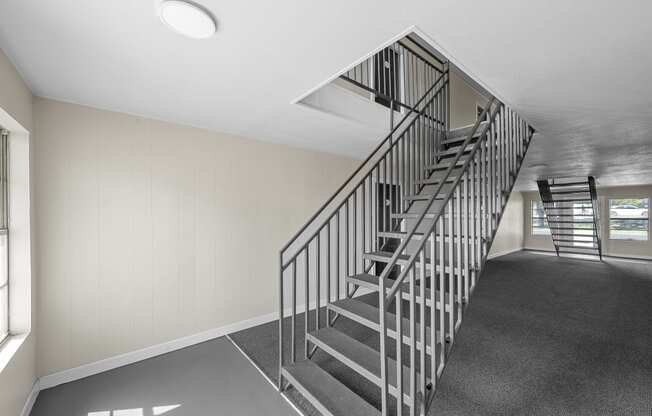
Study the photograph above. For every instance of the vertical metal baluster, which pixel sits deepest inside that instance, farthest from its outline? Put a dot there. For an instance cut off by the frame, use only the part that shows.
(337, 254)
(451, 271)
(467, 241)
(391, 183)
(399, 350)
(478, 219)
(363, 221)
(318, 280)
(355, 231)
(347, 270)
(492, 182)
(375, 206)
(472, 213)
(511, 147)
(413, 341)
(383, 347)
(280, 324)
(442, 291)
(403, 176)
(503, 147)
(433, 309)
(483, 196)
(500, 157)
(306, 312)
(293, 345)
(422, 335)
(370, 192)
(458, 243)
(328, 271)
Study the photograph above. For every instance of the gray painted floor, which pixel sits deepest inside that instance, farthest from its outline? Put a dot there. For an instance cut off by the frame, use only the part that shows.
(542, 336)
(212, 378)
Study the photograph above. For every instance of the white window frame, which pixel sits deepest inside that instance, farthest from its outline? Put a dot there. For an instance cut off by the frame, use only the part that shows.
(4, 232)
(631, 240)
(20, 237)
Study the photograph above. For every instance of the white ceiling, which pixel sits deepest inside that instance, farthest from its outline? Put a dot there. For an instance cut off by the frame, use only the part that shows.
(578, 70)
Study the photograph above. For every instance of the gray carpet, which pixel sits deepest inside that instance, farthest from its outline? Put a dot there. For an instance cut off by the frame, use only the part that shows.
(542, 336)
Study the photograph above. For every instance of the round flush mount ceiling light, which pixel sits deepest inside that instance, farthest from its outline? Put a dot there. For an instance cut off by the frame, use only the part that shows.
(187, 18)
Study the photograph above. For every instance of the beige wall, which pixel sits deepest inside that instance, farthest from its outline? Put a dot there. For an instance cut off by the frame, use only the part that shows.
(464, 102)
(610, 247)
(155, 231)
(509, 236)
(17, 378)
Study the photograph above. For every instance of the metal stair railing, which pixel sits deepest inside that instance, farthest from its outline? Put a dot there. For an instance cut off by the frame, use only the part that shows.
(353, 217)
(457, 242)
(596, 214)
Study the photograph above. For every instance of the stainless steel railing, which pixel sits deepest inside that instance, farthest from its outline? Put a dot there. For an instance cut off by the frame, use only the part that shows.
(448, 250)
(452, 250)
(398, 75)
(329, 247)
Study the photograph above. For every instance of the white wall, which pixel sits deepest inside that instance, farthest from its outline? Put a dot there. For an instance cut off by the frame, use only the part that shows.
(509, 236)
(17, 378)
(151, 231)
(620, 248)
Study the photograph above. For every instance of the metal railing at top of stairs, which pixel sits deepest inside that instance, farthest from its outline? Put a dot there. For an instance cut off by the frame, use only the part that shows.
(457, 243)
(397, 164)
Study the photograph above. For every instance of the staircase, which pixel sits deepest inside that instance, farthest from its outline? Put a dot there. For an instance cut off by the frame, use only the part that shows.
(411, 228)
(571, 209)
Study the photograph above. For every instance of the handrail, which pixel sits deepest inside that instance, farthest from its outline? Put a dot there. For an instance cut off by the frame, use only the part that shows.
(406, 241)
(359, 168)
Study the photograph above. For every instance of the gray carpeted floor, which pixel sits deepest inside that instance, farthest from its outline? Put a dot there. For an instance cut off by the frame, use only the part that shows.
(542, 336)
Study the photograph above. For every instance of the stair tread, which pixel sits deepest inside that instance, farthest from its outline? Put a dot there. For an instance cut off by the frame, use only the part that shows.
(330, 396)
(569, 200)
(404, 234)
(445, 164)
(399, 234)
(454, 150)
(371, 282)
(574, 191)
(433, 180)
(369, 316)
(578, 247)
(463, 132)
(436, 205)
(357, 355)
(561, 185)
(424, 197)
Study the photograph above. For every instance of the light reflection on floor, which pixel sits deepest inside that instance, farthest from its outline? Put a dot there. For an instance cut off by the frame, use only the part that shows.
(156, 411)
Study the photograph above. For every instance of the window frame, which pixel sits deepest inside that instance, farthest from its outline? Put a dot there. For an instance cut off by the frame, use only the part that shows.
(609, 218)
(532, 218)
(5, 299)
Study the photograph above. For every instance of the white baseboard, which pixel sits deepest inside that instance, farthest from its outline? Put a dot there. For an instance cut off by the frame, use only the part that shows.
(131, 357)
(616, 257)
(31, 399)
(110, 363)
(503, 253)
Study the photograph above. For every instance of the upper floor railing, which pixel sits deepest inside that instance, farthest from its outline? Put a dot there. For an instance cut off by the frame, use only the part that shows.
(397, 76)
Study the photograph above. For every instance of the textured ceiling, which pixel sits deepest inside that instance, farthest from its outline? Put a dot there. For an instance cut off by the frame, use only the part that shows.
(579, 70)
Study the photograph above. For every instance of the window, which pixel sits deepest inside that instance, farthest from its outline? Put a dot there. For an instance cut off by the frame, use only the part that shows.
(629, 219)
(539, 221)
(4, 238)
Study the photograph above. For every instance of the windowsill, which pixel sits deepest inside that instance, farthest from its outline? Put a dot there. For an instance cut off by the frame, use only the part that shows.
(9, 348)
